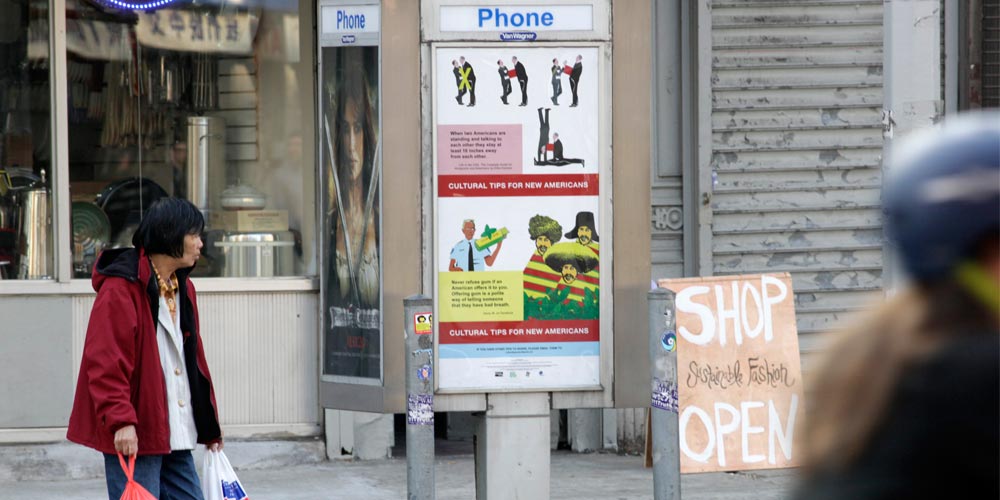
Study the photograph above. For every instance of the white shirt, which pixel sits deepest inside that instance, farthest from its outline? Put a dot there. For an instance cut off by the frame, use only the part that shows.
(170, 341)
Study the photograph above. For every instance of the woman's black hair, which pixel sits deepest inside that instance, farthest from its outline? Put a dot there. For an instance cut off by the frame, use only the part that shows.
(164, 226)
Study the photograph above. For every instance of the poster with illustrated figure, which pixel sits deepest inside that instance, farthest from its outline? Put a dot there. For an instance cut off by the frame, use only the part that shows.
(518, 229)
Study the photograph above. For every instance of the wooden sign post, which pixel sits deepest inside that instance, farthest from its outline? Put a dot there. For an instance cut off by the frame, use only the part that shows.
(738, 372)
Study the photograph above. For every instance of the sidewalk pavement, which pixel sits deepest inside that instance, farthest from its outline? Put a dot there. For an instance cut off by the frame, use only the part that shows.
(574, 476)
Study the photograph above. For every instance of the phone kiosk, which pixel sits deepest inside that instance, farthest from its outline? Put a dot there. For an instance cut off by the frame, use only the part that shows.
(507, 225)
(517, 118)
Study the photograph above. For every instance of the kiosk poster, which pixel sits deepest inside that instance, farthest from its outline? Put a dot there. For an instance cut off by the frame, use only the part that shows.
(350, 198)
(518, 218)
(738, 373)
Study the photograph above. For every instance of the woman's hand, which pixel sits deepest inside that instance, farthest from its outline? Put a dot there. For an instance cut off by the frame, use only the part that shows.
(126, 442)
(215, 445)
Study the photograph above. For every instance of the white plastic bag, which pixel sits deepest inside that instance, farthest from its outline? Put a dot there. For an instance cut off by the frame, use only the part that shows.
(218, 481)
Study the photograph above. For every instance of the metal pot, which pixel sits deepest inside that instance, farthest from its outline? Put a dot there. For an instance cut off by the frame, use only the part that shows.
(242, 197)
(257, 255)
(34, 255)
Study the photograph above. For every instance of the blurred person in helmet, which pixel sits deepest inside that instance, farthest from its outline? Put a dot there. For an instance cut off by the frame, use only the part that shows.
(906, 405)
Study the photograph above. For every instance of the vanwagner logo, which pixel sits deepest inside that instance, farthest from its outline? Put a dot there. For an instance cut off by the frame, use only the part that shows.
(518, 36)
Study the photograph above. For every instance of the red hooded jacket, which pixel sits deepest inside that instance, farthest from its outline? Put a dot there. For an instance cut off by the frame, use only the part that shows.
(121, 382)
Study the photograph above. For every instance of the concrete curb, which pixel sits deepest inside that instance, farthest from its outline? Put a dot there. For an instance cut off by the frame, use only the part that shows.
(64, 460)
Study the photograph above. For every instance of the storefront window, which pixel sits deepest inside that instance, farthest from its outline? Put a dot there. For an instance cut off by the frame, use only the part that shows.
(207, 101)
(26, 248)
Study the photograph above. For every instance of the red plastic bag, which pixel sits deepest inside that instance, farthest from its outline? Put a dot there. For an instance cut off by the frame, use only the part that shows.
(133, 490)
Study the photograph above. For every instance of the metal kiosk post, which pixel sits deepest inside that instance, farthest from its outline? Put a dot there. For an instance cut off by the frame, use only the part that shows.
(419, 398)
(664, 401)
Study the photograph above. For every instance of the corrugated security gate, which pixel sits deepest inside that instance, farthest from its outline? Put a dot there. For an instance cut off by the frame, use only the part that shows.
(796, 150)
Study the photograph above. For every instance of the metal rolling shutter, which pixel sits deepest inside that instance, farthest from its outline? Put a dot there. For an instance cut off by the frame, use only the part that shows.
(797, 142)
(991, 53)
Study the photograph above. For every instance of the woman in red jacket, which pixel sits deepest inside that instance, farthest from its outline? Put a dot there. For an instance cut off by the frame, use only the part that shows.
(144, 387)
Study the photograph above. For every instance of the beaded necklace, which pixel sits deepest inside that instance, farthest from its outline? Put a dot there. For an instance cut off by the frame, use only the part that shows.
(168, 290)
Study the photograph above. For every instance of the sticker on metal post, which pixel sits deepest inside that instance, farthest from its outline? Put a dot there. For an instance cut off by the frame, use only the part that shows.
(422, 323)
(664, 395)
(420, 409)
(424, 372)
(669, 340)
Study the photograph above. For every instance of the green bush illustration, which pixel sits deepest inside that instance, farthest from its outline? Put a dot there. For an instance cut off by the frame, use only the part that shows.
(556, 305)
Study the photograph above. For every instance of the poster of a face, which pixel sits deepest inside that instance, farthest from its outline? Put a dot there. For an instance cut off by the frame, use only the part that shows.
(517, 164)
(351, 199)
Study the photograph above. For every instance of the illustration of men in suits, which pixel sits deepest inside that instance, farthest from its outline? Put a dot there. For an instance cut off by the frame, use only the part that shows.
(504, 81)
(469, 78)
(457, 70)
(557, 71)
(541, 153)
(522, 80)
(557, 153)
(574, 79)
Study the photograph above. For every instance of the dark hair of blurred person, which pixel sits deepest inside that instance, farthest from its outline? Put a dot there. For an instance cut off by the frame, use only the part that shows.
(908, 404)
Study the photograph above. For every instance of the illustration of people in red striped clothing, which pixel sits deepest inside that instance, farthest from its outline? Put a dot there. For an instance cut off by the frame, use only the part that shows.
(573, 263)
(585, 233)
(539, 278)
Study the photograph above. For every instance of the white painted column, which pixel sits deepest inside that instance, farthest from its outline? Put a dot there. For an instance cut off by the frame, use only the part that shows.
(585, 430)
(358, 434)
(911, 83)
(912, 72)
(512, 448)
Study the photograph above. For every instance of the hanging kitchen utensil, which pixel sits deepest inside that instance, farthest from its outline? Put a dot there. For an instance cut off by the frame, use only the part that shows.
(121, 198)
(91, 234)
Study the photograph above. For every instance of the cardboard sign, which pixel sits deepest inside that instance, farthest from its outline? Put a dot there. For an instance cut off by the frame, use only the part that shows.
(738, 373)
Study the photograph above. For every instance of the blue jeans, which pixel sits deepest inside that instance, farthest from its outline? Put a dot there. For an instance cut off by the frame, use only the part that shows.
(167, 477)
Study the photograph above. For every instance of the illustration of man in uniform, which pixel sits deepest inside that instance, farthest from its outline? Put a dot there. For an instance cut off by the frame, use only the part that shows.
(504, 80)
(466, 257)
(457, 70)
(585, 234)
(541, 153)
(522, 80)
(469, 79)
(574, 79)
(573, 263)
(539, 278)
(557, 71)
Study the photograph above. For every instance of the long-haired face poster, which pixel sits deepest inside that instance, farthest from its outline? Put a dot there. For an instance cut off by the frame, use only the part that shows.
(351, 199)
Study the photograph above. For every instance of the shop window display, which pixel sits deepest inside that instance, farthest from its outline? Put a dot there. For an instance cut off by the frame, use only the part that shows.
(26, 249)
(210, 102)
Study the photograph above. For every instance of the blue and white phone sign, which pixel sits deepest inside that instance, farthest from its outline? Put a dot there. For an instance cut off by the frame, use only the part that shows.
(512, 18)
(348, 19)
